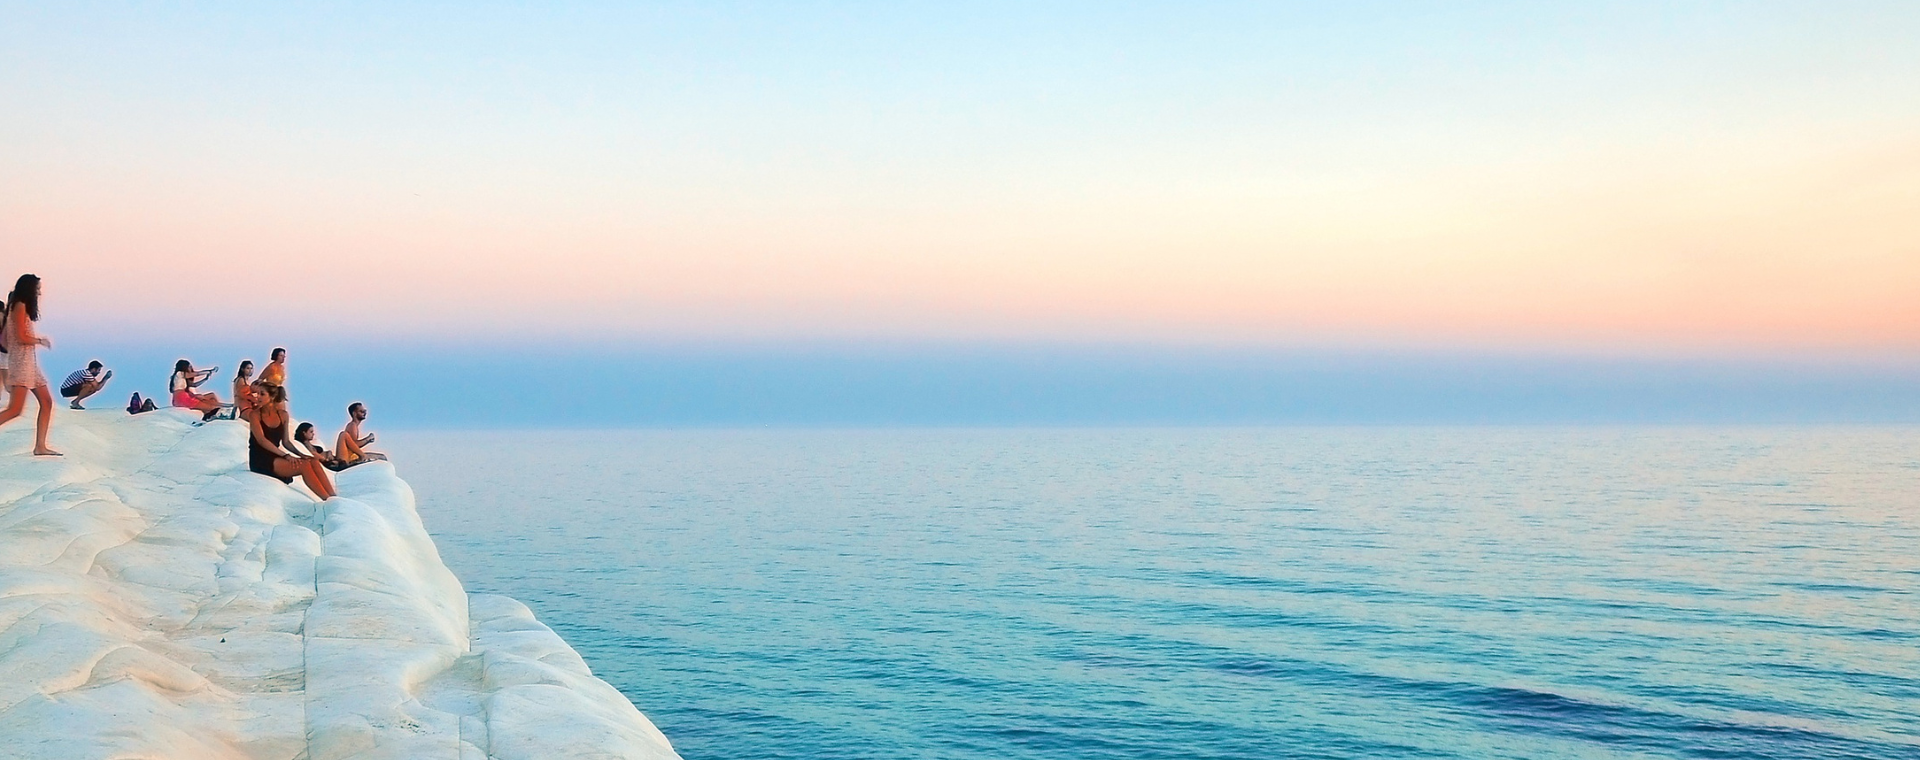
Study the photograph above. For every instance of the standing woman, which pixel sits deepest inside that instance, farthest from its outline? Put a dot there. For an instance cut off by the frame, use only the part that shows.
(269, 451)
(23, 361)
(5, 389)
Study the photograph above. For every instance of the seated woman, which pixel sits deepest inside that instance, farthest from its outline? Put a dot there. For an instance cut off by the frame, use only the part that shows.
(269, 450)
(275, 373)
(185, 378)
(243, 391)
(305, 436)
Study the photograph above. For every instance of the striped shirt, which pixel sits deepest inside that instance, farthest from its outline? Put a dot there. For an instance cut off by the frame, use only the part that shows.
(79, 376)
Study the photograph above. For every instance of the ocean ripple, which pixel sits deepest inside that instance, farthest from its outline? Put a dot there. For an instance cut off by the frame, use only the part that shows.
(1194, 593)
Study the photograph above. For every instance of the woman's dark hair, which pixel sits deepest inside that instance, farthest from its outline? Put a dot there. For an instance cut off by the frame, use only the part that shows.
(277, 353)
(245, 365)
(300, 433)
(182, 366)
(26, 290)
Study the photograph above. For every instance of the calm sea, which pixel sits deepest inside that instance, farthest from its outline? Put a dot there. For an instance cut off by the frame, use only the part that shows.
(1215, 593)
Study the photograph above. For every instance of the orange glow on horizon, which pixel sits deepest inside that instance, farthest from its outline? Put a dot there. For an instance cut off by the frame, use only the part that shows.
(1814, 248)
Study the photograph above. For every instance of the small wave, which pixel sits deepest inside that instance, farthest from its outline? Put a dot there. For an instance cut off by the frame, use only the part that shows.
(1840, 588)
(1552, 714)
(1562, 716)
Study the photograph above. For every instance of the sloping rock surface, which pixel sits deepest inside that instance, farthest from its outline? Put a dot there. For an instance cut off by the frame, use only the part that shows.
(159, 601)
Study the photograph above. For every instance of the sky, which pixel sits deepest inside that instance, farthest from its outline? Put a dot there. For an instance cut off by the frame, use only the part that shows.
(1243, 195)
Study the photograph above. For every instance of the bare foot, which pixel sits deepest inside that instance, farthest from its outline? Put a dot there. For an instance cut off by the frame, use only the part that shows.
(47, 453)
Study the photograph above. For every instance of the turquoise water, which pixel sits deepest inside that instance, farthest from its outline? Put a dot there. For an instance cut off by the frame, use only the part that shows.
(1206, 593)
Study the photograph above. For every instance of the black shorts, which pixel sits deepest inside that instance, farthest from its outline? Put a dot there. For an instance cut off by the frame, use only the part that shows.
(71, 391)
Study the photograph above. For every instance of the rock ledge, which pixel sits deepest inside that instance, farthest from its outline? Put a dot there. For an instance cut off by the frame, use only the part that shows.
(159, 601)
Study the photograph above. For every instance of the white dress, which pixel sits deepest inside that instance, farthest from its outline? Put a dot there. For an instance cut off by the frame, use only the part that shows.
(23, 364)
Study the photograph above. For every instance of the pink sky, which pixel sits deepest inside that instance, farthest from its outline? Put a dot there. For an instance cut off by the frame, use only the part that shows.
(1619, 204)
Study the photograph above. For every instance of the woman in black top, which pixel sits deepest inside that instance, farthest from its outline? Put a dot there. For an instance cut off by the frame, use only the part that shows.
(269, 453)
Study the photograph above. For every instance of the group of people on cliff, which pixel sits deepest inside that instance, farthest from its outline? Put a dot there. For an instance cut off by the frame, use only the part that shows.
(261, 402)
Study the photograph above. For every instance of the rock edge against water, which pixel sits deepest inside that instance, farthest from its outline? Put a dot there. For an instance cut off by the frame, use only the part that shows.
(159, 601)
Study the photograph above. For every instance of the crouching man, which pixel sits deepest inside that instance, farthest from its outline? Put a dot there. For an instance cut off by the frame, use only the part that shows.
(83, 383)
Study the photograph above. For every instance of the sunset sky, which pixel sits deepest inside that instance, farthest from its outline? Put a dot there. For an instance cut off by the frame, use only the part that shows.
(1660, 179)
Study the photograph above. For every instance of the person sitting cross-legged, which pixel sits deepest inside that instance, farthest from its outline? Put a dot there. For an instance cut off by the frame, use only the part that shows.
(350, 446)
(86, 382)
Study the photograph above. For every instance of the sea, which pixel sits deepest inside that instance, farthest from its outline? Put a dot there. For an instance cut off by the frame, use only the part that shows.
(1080, 594)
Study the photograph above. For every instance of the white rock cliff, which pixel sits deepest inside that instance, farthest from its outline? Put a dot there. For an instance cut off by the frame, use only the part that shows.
(159, 601)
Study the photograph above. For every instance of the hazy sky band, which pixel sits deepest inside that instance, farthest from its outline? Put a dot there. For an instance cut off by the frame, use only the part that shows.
(1630, 177)
(425, 386)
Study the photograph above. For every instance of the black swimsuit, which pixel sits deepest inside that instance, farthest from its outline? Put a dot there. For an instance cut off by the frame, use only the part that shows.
(259, 458)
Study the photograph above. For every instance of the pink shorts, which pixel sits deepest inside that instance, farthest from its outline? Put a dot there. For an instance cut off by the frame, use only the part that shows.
(186, 399)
